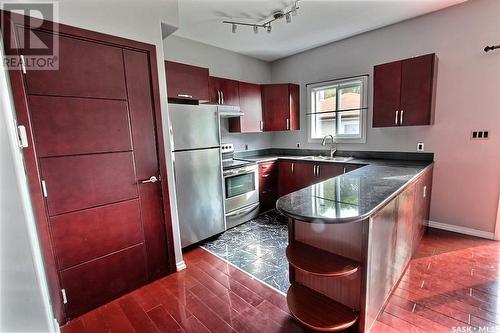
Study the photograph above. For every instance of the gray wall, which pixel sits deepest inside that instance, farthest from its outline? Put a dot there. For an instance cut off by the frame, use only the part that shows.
(467, 173)
(227, 64)
(24, 302)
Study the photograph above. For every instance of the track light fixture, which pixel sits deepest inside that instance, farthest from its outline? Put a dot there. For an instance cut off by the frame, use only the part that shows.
(286, 13)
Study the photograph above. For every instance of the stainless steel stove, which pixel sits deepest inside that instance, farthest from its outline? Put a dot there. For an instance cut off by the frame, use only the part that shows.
(241, 188)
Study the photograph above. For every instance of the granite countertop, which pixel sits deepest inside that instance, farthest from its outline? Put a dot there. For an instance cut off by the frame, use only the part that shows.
(353, 196)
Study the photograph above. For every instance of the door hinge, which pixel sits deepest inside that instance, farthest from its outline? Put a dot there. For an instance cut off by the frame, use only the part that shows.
(44, 188)
(23, 64)
(23, 137)
(65, 299)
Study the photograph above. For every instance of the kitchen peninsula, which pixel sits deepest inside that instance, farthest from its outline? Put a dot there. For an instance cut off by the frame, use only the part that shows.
(351, 238)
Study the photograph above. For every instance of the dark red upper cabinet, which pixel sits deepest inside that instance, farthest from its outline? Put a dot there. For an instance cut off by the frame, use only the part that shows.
(280, 107)
(224, 91)
(251, 106)
(403, 92)
(186, 81)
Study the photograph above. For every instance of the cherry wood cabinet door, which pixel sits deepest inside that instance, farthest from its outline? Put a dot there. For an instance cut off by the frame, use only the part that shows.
(251, 105)
(224, 91)
(386, 94)
(276, 107)
(286, 177)
(328, 170)
(417, 90)
(186, 81)
(304, 175)
(268, 185)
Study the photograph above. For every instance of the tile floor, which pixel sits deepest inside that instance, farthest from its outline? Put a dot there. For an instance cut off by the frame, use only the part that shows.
(257, 247)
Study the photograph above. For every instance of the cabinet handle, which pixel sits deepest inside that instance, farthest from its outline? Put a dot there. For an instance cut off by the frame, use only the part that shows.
(345, 169)
(218, 97)
(152, 179)
(222, 96)
(185, 95)
(293, 167)
(261, 126)
(317, 170)
(287, 123)
(396, 119)
(401, 118)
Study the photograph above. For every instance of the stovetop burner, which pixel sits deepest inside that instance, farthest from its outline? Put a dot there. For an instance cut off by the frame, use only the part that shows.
(228, 161)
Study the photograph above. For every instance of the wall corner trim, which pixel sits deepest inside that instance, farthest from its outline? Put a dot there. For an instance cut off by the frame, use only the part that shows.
(461, 230)
(180, 265)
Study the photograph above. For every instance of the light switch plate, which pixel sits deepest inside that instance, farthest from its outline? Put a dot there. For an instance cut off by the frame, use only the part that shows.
(420, 146)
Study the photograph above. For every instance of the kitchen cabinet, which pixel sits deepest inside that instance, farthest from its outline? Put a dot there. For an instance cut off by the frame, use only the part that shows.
(268, 185)
(224, 91)
(403, 93)
(186, 81)
(251, 106)
(293, 176)
(280, 107)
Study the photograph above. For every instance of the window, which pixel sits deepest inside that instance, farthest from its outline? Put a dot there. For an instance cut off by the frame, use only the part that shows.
(338, 108)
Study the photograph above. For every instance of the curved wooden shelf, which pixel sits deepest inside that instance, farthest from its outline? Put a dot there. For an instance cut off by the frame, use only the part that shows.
(315, 261)
(317, 311)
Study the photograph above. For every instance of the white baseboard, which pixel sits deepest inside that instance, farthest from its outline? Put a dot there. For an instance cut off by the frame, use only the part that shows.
(461, 230)
(180, 265)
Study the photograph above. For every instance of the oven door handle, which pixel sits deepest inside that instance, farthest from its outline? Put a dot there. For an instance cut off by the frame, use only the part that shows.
(238, 173)
(242, 211)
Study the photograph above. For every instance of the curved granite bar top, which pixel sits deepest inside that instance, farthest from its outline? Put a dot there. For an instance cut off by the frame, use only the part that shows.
(353, 196)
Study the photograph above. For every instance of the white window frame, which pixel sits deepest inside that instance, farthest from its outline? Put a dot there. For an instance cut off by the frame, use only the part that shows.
(343, 138)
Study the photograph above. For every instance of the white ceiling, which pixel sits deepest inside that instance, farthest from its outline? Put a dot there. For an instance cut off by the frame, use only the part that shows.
(318, 22)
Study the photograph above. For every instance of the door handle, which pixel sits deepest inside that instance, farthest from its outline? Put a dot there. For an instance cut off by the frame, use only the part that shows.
(287, 123)
(293, 167)
(401, 118)
(261, 125)
(152, 179)
(396, 119)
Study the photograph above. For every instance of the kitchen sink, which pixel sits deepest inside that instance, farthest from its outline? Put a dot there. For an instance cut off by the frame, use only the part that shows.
(327, 158)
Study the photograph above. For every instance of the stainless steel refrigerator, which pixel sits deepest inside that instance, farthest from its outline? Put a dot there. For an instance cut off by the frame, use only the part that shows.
(195, 140)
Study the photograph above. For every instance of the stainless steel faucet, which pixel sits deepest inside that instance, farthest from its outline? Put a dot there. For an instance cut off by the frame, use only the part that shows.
(333, 149)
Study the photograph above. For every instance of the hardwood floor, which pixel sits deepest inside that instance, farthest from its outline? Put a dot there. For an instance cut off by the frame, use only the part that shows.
(451, 282)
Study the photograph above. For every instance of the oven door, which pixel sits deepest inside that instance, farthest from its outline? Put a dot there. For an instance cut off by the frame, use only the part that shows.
(241, 187)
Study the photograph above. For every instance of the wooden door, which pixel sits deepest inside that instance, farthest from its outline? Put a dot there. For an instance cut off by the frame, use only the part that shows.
(286, 177)
(224, 91)
(186, 81)
(417, 90)
(328, 170)
(268, 185)
(386, 94)
(251, 105)
(93, 132)
(304, 175)
(276, 107)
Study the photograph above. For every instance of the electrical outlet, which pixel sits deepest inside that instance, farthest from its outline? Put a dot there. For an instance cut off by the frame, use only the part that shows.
(298, 144)
(420, 146)
(480, 135)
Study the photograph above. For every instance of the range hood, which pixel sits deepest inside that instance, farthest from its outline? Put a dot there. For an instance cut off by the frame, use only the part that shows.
(227, 111)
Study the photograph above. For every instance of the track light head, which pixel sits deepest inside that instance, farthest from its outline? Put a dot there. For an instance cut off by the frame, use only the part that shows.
(269, 28)
(233, 28)
(255, 29)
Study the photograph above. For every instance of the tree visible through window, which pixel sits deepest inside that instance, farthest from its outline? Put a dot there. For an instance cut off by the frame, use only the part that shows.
(337, 108)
